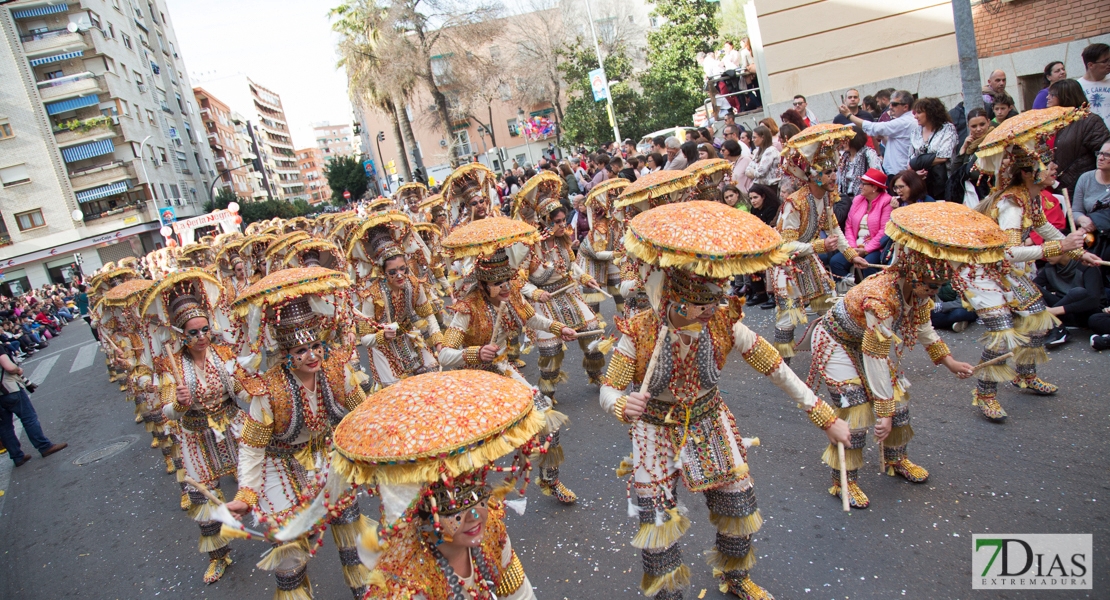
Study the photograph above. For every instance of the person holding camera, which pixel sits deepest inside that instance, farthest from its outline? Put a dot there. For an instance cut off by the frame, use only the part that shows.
(16, 401)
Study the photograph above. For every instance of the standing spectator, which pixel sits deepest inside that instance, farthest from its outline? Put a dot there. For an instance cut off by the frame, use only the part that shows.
(1096, 80)
(882, 98)
(746, 139)
(802, 108)
(1078, 143)
(749, 76)
(962, 170)
(601, 170)
(1092, 192)
(628, 148)
(765, 206)
(16, 402)
(865, 225)
(655, 162)
(732, 151)
(567, 174)
(765, 168)
(733, 197)
(787, 131)
(933, 143)
(996, 85)
(690, 152)
(579, 222)
(706, 151)
(1053, 72)
(659, 144)
(858, 159)
(1003, 107)
(675, 160)
(897, 131)
(852, 101)
(872, 106)
(794, 118)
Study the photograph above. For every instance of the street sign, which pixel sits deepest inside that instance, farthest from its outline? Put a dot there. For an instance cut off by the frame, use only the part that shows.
(167, 215)
(346, 195)
(599, 85)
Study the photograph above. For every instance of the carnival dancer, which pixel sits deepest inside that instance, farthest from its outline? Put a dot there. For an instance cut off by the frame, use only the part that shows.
(443, 532)
(469, 193)
(1006, 300)
(283, 453)
(681, 428)
(108, 277)
(712, 174)
(802, 280)
(191, 361)
(858, 345)
(233, 270)
(601, 246)
(491, 311)
(553, 279)
(410, 196)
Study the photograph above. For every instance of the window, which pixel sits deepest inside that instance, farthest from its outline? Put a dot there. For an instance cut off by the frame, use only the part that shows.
(137, 149)
(514, 128)
(462, 138)
(6, 130)
(115, 5)
(164, 194)
(126, 73)
(162, 152)
(150, 116)
(30, 220)
(111, 31)
(14, 175)
(173, 190)
(53, 74)
(127, 41)
(124, 109)
(180, 104)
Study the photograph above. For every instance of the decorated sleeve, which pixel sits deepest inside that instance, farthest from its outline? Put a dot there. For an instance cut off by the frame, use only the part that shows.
(426, 310)
(611, 388)
(877, 342)
(453, 353)
(514, 584)
(257, 431)
(352, 391)
(789, 222)
(928, 337)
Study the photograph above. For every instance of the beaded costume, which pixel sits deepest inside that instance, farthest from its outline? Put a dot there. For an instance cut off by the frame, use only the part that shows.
(601, 246)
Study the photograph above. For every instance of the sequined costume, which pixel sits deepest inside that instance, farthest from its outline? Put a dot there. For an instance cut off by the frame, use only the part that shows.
(412, 351)
(601, 247)
(857, 346)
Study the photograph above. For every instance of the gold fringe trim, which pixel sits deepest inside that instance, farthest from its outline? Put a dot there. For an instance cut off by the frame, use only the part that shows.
(356, 575)
(682, 180)
(1036, 322)
(593, 297)
(626, 467)
(231, 533)
(296, 550)
(1003, 341)
(173, 279)
(605, 346)
(181, 475)
(999, 373)
(208, 543)
(554, 420)
(347, 536)
(1024, 355)
(364, 473)
(985, 255)
(723, 562)
(201, 512)
(737, 526)
(659, 537)
(553, 458)
(899, 436)
(853, 458)
(369, 540)
(759, 260)
(786, 349)
(674, 581)
(860, 416)
(318, 281)
(797, 316)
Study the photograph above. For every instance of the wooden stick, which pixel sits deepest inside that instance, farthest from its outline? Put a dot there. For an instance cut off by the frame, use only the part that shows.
(654, 359)
(497, 323)
(1067, 209)
(562, 289)
(204, 491)
(871, 266)
(992, 361)
(586, 333)
(843, 477)
(882, 459)
(1104, 263)
(603, 292)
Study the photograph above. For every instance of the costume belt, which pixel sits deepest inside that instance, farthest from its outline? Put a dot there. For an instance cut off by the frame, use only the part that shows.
(218, 419)
(305, 452)
(561, 283)
(664, 414)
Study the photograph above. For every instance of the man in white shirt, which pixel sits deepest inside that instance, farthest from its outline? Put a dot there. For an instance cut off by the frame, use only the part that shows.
(897, 131)
(1095, 82)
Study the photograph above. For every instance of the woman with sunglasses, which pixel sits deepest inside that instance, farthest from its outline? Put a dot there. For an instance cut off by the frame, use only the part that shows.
(285, 450)
(200, 395)
(481, 329)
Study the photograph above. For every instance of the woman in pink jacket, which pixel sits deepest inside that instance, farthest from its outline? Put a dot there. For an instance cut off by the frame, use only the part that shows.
(865, 225)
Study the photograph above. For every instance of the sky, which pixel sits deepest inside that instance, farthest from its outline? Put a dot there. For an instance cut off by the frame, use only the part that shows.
(286, 45)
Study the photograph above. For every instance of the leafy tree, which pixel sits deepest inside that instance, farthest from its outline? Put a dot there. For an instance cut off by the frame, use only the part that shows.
(223, 197)
(586, 121)
(345, 173)
(673, 82)
(734, 25)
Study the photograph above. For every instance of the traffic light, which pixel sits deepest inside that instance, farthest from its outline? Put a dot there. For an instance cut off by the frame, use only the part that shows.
(391, 166)
(381, 136)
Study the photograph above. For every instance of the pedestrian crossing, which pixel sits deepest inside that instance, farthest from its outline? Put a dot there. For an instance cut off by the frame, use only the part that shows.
(42, 370)
(78, 358)
(85, 357)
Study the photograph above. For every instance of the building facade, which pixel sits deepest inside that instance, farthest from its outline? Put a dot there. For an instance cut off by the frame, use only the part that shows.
(336, 140)
(100, 135)
(233, 164)
(268, 128)
(311, 162)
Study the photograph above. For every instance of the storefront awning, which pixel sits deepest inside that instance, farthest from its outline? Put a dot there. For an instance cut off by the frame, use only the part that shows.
(103, 191)
(71, 104)
(56, 58)
(39, 11)
(76, 153)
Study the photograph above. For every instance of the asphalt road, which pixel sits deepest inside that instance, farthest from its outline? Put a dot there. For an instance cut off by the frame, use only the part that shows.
(113, 529)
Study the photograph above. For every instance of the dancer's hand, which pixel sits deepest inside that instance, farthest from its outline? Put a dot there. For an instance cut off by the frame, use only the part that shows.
(389, 333)
(634, 407)
(488, 352)
(543, 296)
(569, 335)
(238, 508)
(1072, 241)
(184, 396)
(883, 427)
(839, 432)
(961, 369)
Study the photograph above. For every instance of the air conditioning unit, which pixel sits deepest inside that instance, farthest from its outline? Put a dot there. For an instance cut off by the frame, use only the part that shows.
(115, 119)
(156, 162)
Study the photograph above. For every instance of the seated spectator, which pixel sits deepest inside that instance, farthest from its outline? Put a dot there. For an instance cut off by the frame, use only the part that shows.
(865, 225)
(655, 162)
(1092, 196)
(963, 171)
(734, 153)
(1003, 108)
(1076, 144)
(676, 161)
(949, 311)
(706, 151)
(1053, 72)
(909, 189)
(1073, 293)
(932, 144)
(689, 152)
(1099, 323)
(765, 205)
(735, 198)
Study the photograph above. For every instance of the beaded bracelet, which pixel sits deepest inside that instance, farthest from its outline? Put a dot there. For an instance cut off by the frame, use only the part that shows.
(618, 409)
(822, 415)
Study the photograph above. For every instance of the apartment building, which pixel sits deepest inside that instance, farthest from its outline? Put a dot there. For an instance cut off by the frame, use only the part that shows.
(234, 167)
(268, 127)
(336, 140)
(311, 163)
(99, 132)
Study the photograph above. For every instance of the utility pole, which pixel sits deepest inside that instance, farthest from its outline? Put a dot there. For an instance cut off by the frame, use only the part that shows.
(970, 80)
(601, 65)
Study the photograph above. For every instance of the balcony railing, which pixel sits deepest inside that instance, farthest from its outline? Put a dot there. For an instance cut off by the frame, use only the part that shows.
(100, 175)
(49, 41)
(119, 210)
(81, 84)
(76, 130)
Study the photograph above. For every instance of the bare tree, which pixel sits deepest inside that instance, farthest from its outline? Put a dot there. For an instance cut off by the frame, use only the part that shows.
(538, 38)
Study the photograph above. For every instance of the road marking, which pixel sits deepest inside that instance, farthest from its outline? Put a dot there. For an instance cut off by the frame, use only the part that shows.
(43, 370)
(85, 357)
(40, 356)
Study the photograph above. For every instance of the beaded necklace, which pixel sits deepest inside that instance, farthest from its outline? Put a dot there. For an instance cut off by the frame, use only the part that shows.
(212, 396)
(483, 577)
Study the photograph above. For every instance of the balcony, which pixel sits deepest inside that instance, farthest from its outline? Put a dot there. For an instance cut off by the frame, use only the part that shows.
(76, 131)
(81, 84)
(101, 175)
(57, 40)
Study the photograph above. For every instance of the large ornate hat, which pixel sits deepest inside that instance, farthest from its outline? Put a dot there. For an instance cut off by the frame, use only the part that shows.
(432, 201)
(297, 304)
(111, 277)
(544, 184)
(412, 189)
(315, 252)
(466, 182)
(380, 204)
(196, 255)
(947, 231)
(128, 293)
(277, 249)
(814, 146)
(710, 173)
(659, 187)
(178, 297)
(707, 238)
(1023, 133)
(487, 235)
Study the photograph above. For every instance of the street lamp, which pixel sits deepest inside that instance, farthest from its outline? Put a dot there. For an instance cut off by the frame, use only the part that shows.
(381, 157)
(524, 132)
(142, 161)
(212, 186)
